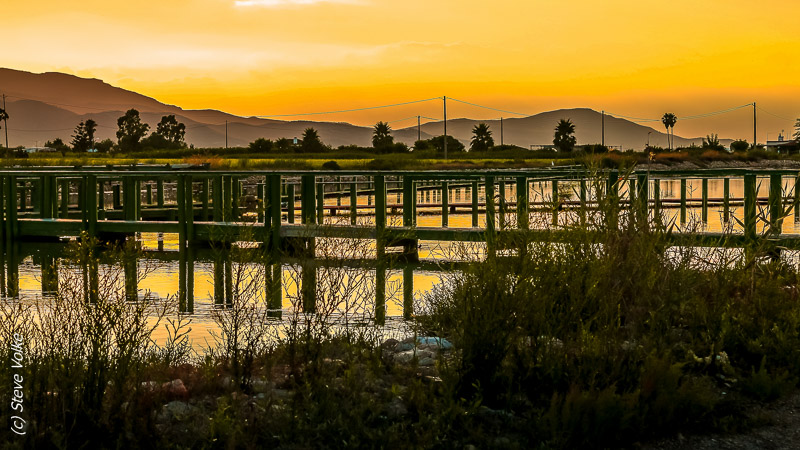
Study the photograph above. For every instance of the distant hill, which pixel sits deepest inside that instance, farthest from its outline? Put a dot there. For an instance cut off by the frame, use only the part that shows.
(49, 105)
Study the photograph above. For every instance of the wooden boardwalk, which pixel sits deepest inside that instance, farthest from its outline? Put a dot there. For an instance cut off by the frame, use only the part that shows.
(203, 207)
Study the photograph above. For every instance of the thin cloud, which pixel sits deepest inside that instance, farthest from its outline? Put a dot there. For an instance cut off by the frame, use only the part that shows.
(279, 3)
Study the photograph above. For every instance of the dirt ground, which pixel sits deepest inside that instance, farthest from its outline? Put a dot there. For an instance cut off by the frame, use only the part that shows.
(782, 431)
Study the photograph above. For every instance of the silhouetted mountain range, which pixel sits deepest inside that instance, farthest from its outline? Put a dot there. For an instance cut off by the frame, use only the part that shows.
(45, 106)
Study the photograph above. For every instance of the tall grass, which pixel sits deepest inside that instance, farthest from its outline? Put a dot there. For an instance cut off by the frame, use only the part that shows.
(605, 336)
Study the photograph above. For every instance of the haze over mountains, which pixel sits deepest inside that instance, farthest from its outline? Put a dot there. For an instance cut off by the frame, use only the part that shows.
(45, 106)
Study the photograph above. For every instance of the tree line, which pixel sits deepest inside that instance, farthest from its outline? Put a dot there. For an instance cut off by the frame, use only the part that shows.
(170, 134)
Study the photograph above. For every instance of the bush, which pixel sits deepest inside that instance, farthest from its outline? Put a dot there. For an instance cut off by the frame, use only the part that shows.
(739, 146)
(331, 165)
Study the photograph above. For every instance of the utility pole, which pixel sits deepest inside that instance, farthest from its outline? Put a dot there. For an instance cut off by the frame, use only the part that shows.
(501, 131)
(755, 141)
(5, 121)
(444, 99)
(419, 133)
(603, 128)
(226, 134)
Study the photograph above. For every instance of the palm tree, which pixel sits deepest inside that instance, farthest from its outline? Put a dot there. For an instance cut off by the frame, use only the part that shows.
(564, 139)
(311, 143)
(482, 138)
(4, 118)
(669, 120)
(381, 135)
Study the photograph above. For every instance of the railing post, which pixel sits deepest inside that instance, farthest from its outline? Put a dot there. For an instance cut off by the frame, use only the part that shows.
(445, 204)
(643, 196)
(204, 199)
(474, 192)
(11, 212)
(556, 202)
(657, 199)
(90, 182)
(683, 201)
(273, 212)
(181, 200)
(522, 203)
(320, 201)
(307, 200)
(353, 203)
(216, 201)
(582, 198)
(408, 291)
(149, 193)
(189, 208)
(775, 203)
(726, 200)
(704, 193)
(380, 202)
(235, 195)
(160, 193)
(491, 244)
(116, 197)
(227, 199)
(64, 199)
(501, 199)
(750, 206)
(612, 194)
(290, 197)
(408, 200)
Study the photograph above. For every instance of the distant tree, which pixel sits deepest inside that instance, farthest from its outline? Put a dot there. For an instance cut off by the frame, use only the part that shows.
(711, 142)
(311, 142)
(563, 138)
(3, 116)
(131, 131)
(104, 146)
(381, 136)
(669, 120)
(83, 139)
(739, 146)
(172, 130)
(423, 144)
(57, 144)
(481, 138)
(283, 145)
(453, 144)
(261, 145)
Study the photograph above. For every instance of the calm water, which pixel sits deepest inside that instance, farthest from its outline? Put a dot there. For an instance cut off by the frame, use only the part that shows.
(163, 279)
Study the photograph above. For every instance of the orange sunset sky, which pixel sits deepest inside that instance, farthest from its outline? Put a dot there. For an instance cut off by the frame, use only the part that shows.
(268, 57)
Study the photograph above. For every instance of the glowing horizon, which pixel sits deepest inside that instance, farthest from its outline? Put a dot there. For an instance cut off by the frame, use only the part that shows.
(273, 57)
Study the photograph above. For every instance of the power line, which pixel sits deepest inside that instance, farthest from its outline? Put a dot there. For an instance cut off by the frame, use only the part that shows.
(349, 110)
(773, 114)
(715, 113)
(489, 107)
(413, 117)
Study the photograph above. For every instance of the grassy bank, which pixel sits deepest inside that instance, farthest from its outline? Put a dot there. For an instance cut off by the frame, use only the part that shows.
(605, 340)
(245, 159)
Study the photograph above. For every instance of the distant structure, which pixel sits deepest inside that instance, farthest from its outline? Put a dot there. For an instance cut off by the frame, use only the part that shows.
(781, 143)
(40, 150)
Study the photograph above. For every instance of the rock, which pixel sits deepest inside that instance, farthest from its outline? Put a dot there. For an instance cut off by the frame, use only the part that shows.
(389, 344)
(149, 385)
(175, 387)
(396, 408)
(427, 361)
(434, 343)
(405, 344)
(175, 410)
(261, 385)
(406, 356)
(280, 394)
